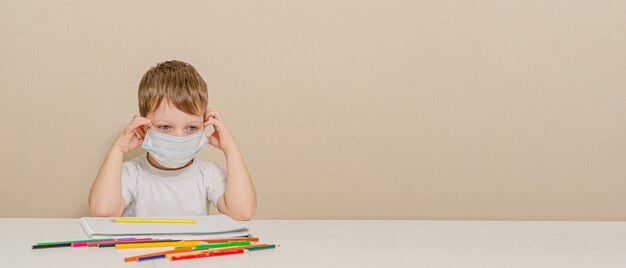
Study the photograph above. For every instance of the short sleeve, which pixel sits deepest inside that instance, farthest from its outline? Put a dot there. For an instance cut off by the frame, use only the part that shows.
(216, 183)
(129, 182)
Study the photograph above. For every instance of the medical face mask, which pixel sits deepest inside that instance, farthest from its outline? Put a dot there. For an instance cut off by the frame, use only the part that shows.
(171, 151)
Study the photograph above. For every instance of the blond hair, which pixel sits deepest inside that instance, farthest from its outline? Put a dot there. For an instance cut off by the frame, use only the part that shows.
(174, 81)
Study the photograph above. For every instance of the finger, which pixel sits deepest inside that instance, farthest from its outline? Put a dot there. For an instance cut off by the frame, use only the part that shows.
(134, 127)
(215, 123)
(139, 121)
(138, 133)
(212, 110)
(206, 115)
(215, 115)
(207, 120)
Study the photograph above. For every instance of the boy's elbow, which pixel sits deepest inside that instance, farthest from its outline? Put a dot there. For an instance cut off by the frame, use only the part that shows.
(97, 211)
(242, 217)
(245, 215)
(103, 214)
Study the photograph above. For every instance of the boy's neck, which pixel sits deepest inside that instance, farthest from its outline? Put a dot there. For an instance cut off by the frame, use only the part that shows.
(156, 164)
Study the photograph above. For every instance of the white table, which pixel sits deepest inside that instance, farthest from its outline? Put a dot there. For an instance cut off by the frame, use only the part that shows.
(340, 243)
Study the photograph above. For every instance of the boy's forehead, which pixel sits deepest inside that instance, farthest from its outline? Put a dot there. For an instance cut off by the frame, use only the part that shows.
(169, 113)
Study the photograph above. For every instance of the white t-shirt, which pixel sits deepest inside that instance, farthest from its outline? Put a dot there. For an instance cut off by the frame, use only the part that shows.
(149, 191)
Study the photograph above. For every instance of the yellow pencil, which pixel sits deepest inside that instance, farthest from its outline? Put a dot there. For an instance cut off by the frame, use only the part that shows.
(159, 244)
(140, 220)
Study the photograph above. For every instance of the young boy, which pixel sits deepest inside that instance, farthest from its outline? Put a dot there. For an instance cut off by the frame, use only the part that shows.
(168, 181)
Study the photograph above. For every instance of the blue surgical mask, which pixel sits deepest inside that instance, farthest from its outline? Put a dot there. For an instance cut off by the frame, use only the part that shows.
(171, 151)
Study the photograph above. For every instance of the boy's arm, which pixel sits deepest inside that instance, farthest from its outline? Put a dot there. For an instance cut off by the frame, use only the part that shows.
(105, 198)
(239, 198)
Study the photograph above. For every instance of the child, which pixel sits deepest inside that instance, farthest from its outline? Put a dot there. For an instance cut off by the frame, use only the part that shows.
(168, 180)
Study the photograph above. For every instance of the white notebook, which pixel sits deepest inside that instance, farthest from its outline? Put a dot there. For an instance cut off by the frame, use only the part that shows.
(206, 227)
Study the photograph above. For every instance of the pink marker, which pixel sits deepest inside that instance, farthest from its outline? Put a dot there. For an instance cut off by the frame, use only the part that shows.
(81, 244)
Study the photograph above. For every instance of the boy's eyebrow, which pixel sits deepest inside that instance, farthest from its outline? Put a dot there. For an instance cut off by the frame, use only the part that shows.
(168, 122)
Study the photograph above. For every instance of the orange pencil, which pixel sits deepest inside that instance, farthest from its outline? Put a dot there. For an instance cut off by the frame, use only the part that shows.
(134, 258)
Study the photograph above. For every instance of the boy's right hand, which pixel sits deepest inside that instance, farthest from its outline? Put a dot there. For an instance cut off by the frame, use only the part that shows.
(133, 135)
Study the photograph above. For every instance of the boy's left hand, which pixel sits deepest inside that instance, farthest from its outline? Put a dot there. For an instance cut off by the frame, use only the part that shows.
(221, 138)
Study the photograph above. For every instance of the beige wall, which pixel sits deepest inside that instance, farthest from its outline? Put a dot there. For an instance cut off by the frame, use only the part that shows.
(343, 109)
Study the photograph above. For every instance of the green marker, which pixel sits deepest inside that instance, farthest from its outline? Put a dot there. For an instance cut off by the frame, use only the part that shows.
(223, 245)
(261, 247)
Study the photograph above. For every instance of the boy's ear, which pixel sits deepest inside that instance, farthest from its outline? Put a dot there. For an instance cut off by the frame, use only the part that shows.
(143, 131)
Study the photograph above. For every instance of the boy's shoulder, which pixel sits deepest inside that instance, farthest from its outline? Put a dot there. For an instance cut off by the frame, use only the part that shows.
(134, 162)
(205, 164)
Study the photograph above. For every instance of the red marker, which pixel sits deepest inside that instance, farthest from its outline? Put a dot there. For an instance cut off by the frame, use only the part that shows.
(208, 254)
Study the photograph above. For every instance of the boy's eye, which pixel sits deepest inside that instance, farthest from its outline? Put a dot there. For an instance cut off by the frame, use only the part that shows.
(192, 128)
(164, 127)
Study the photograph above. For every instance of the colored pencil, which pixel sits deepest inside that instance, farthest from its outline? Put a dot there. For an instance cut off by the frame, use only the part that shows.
(68, 243)
(147, 220)
(150, 258)
(228, 240)
(157, 244)
(170, 255)
(223, 245)
(95, 244)
(112, 244)
(208, 254)
(51, 246)
(162, 253)
(262, 247)
(232, 239)
(71, 241)
(64, 243)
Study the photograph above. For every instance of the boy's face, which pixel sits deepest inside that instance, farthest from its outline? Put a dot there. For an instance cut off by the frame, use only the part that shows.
(168, 119)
